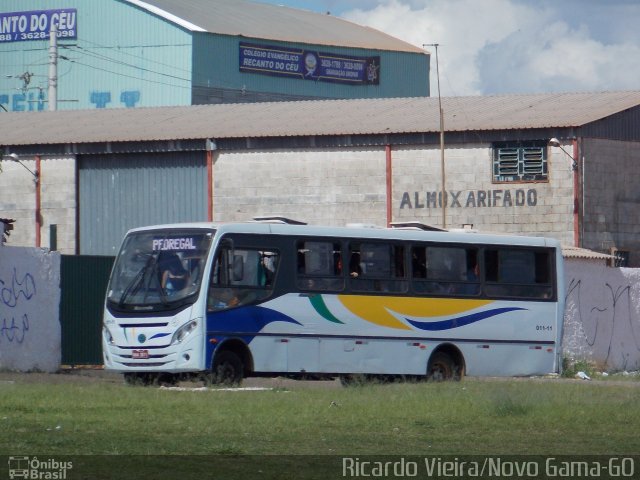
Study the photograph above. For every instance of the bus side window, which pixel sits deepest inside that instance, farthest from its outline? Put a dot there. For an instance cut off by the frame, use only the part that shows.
(518, 273)
(220, 274)
(419, 262)
(377, 267)
(446, 270)
(267, 268)
(248, 278)
(543, 267)
(355, 270)
(319, 265)
(471, 281)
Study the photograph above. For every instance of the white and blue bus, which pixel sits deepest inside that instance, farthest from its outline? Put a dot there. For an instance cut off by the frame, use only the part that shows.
(227, 301)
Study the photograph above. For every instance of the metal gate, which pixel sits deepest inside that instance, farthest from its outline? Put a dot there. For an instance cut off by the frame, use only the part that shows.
(121, 191)
(83, 280)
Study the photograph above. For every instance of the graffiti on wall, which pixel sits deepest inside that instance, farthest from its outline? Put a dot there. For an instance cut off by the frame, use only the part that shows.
(14, 293)
(30, 331)
(606, 325)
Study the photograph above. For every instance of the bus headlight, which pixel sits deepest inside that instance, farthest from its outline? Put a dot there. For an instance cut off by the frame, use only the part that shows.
(107, 335)
(183, 331)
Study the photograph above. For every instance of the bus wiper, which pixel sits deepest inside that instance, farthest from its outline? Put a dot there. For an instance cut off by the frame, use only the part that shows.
(164, 298)
(134, 284)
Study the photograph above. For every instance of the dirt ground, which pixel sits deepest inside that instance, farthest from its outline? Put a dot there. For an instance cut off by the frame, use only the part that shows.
(93, 375)
(96, 375)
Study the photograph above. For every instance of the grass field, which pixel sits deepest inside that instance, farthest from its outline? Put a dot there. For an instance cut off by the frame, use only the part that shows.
(488, 417)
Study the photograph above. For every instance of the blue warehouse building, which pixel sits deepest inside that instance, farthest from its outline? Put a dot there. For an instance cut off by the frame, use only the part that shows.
(130, 53)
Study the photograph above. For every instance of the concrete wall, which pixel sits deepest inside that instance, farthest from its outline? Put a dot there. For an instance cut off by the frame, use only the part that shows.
(348, 185)
(30, 336)
(17, 201)
(57, 201)
(520, 208)
(335, 187)
(612, 198)
(602, 315)
(327, 187)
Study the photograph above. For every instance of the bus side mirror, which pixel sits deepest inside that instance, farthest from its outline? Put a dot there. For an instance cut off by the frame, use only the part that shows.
(238, 268)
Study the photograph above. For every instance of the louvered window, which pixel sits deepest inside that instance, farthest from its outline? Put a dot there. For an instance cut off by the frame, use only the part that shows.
(523, 162)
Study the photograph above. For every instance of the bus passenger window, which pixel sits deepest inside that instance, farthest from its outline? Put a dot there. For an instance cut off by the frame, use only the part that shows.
(470, 284)
(267, 268)
(377, 267)
(446, 270)
(418, 262)
(518, 273)
(354, 264)
(375, 260)
(241, 276)
(543, 267)
(319, 266)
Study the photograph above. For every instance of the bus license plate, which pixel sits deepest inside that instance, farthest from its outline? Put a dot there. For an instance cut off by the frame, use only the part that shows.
(138, 354)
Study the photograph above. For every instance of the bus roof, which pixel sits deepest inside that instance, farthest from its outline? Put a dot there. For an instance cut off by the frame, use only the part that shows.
(406, 234)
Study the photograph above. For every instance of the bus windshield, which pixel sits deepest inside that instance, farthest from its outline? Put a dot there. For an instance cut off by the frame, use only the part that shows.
(158, 270)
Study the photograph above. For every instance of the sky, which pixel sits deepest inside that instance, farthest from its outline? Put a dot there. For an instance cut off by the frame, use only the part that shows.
(492, 47)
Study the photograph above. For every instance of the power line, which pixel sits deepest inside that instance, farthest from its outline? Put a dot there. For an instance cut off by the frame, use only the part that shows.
(120, 62)
(127, 76)
(22, 50)
(120, 47)
(89, 54)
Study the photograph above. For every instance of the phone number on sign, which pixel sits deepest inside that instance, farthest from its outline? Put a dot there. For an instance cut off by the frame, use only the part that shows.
(8, 37)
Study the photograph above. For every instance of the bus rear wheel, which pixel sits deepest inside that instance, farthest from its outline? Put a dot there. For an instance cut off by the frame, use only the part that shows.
(442, 368)
(227, 369)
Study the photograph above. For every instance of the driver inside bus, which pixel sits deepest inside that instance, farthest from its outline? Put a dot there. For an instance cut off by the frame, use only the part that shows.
(174, 276)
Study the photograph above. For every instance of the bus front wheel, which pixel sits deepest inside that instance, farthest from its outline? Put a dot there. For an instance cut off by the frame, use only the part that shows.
(442, 368)
(227, 369)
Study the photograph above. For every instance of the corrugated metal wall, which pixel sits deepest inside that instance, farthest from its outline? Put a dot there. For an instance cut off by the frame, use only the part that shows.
(217, 78)
(123, 56)
(83, 282)
(119, 192)
(623, 126)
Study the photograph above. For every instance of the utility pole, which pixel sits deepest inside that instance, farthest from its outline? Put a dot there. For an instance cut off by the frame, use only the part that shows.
(442, 170)
(53, 68)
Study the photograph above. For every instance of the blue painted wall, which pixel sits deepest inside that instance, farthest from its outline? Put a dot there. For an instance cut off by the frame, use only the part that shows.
(124, 57)
(216, 64)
